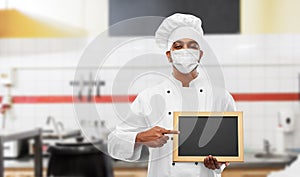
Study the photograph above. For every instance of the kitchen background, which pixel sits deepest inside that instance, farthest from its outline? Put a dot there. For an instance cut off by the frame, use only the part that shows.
(261, 64)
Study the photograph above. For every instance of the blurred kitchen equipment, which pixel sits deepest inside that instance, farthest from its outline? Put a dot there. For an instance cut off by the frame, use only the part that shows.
(45, 146)
(5, 106)
(99, 83)
(286, 119)
(102, 131)
(55, 125)
(267, 146)
(12, 149)
(91, 83)
(17, 135)
(6, 81)
(90, 87)
(6, 76)
(15, 149)
(81, 87)
(79, 159)
(61, 125)
(6, 101)
(2, 117)
(50, 138)
(105, 132)
(98, 90)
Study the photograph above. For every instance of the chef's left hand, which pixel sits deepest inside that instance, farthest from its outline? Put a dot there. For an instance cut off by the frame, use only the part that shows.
(212, 163)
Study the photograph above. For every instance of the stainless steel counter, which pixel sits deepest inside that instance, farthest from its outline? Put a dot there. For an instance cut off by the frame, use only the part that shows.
(250, 162)
(253, 162)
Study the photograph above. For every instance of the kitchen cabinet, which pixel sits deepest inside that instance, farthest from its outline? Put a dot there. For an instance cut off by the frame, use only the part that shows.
(123, 172)
(253, 172)
(131, 172)
(142, 172)
(21, 172)
(9, 174)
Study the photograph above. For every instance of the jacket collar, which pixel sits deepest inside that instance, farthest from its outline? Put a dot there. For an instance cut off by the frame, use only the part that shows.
(195, 83)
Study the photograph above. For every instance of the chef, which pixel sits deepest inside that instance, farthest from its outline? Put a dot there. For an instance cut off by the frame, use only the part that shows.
(150, 120)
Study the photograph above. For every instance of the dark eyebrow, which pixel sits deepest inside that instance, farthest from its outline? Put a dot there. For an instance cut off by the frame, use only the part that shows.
(189, 43)
(193, 42)
(180, 42)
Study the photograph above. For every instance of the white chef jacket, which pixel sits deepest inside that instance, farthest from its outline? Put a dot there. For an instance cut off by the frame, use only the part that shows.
(154, 107)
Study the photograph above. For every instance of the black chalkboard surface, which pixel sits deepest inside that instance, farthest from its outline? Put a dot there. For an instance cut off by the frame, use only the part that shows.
(208, 133)
(218, 16)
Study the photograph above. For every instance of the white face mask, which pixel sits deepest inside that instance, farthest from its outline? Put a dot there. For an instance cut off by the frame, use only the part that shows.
(185, 60)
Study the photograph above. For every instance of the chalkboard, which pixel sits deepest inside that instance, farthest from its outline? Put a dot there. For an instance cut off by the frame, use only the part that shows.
(208, 133)
(218, 16)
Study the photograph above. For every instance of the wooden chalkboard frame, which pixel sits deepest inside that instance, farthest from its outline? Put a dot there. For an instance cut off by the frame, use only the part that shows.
(238, 115)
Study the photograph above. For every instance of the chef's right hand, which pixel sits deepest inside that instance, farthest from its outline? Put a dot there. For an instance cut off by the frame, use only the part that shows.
(154, 137)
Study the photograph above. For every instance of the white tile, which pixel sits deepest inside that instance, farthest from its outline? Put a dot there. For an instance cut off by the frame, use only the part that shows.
(272, 55)
(272, 41)
(257, 140)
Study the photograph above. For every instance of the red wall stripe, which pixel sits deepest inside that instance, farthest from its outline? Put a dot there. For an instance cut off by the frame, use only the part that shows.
(266, 96)
(71, 99)
(247, 97)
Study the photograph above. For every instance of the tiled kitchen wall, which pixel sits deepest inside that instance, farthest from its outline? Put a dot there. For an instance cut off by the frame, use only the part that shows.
(250, 64)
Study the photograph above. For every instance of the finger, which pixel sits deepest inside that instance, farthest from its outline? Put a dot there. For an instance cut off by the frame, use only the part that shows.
(170, 131)
(227, 163)
(211, 162)
(160, 129)
(210, 159)
(156, 144)
(207, 161)
(161, 141)
(217, 165)
(164, 131)
(151, 144)
(211, 165)
(165, 138)
(215, 162)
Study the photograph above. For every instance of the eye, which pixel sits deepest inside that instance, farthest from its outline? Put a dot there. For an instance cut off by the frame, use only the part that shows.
(177, 46)
(194, 46)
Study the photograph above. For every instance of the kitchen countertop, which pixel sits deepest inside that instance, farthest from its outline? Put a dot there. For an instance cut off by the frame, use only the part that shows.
(28, 163)
(250, 162)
